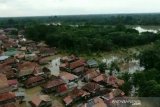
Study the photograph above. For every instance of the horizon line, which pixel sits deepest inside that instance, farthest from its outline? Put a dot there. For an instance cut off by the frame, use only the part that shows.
(81, 14)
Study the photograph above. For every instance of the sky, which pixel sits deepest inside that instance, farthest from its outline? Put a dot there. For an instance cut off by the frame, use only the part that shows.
(14, 8)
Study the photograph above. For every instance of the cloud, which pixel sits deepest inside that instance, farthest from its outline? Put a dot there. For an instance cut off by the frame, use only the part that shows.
(64, 7)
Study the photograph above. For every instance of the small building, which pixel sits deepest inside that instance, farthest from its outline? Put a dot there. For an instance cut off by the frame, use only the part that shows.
(4, 86)
(69, 59)
(41, 101)
(31, 57)
(34, 81)
(55, 85)
(92, 88)
(77, 67)
(46, 72)
(95, 102)
(63, 66)
(7, 97)
(44, 60)
(113, 94)
(68, 77)
(90, 74)
(3, 58)
(100, 79)
(92, 63)
(13, 84)
(75, 95)
(8, 71)
(26, 68)
(46, 51)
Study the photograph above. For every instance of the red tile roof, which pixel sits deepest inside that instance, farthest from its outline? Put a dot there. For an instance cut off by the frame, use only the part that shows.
(3, 81)
(100, 78)
(34, 79)
(38, 99)
(12, 82)
(91, 87)
(9, 105)
(7, 96)
(92, 74)
(7, 70)
(77, 63)
(67, 76)
(26, 68)
(53, 83)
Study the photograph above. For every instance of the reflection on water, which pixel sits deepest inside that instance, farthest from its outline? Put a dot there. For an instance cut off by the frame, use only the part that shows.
(140, 29)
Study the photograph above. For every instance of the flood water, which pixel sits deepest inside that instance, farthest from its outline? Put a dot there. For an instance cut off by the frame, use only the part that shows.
(141, 29)
(130, 66)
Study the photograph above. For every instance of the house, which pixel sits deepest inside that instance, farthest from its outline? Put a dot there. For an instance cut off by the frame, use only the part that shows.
(100, 78)
(30, 57)
(8, 71)
(26, 68)
(55, 85)
(34, 81)
(23, 48)
(3, 37)
(42, 44)
(3, 58)
(68, 77)
(7, 97)
(75, 95)
(92, 63)
(112, 81)
(4, 86)
(114, 94)
(77, 67)
(63, 66)
(90, 74)
(69, 59)
(20, 56)
(10, 105)
(47, 72)
(46, 51)
(9, 61)
(41, 101)
(13, 84)
(44, 60)
(92, 88)
(95, 102)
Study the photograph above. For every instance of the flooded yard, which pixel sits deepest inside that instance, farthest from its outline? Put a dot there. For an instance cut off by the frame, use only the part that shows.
(32, 92)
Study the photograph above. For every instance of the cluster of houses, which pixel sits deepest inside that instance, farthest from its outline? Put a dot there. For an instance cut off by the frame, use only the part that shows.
(96, 90)
(22, 64)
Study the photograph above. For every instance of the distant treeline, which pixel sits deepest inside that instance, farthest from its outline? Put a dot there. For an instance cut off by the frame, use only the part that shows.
(113, 19)
(89, 38)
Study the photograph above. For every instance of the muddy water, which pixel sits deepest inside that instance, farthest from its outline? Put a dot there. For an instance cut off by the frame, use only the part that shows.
(130, 66)
(30, 93)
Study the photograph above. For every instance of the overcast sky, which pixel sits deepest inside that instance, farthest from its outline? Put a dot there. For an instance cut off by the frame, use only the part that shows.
(71, 7)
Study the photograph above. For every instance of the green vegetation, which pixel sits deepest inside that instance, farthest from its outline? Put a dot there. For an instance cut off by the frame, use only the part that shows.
(88, 38)
(148, 81)
(110, 19)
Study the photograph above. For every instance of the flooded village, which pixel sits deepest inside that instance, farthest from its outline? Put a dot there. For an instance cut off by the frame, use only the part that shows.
(35, 75)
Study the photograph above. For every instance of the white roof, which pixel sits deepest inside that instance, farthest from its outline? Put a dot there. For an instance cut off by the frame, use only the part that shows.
(3, 58)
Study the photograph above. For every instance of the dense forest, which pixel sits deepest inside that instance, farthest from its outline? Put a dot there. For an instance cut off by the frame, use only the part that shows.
(89, 38)
(149, 80)
(110, 19)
